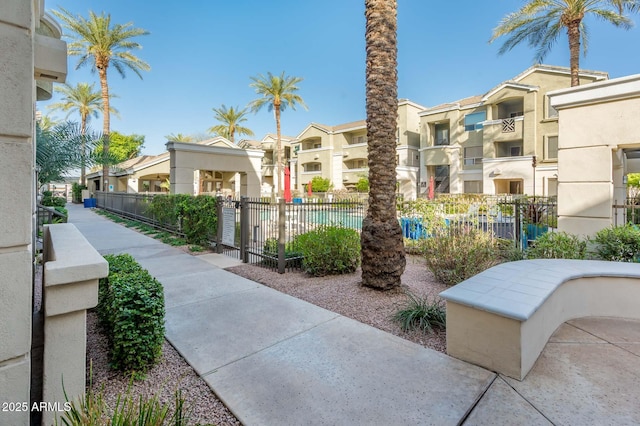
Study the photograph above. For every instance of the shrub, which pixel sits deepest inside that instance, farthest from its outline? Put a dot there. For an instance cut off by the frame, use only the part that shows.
(557, 245)
(93, 410)
(196, 215)
(422, 313)
(329, 250)
(320, 184)
(49, 200)
(131, 309)
(620, 243)
(76, 192)
(461, 253)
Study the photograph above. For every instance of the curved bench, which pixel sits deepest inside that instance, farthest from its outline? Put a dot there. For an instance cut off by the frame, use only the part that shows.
(502, 318)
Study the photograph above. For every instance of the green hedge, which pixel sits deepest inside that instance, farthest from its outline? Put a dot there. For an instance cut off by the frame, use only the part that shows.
(329, 250)
(621, 243)
(196, 216)
(131, 309)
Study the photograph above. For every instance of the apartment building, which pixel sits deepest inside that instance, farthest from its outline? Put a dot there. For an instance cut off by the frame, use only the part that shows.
(339, 153)
(268, 144)
(502, 142)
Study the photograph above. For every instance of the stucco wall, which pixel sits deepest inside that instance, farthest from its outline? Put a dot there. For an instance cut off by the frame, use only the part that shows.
(596, 123)
(16, 192)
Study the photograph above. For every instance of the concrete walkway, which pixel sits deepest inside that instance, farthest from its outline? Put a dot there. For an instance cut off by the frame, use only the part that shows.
(277, 360)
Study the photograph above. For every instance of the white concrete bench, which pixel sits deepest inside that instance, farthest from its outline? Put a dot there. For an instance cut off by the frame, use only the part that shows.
(502, 318)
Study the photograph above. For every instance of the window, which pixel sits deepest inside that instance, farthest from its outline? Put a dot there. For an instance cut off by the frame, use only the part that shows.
(312, 167)
(357, 164)
(472, 156)
(441, 132)
(509, 149)
(551, 148)
(551, 111)
(474, 121)
(473, 187)
(358, 139)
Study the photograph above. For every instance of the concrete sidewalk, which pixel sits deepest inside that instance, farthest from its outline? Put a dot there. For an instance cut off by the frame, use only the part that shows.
(277, 360)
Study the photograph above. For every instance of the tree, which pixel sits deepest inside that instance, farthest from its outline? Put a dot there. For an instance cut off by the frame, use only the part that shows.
(179, 137)
(57, 150)
(230, 120)
(320, 184)
(540, 23)
(45, 122)
(101, 44)
(383, 255)
(123, 147)
(86, 102)
(278, 93)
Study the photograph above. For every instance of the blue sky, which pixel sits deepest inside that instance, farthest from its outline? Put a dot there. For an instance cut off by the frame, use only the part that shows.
(203, 52)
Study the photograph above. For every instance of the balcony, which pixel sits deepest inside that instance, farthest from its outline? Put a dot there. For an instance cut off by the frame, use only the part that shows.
(504, 129)
(439, 155)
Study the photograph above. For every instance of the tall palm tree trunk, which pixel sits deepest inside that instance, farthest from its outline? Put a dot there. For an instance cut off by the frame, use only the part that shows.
(279, 149)
(573, 32)
(106, 126)
(83, 149)
(383, 255)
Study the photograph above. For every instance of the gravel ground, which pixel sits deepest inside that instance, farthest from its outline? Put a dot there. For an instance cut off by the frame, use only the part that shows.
(342, 294)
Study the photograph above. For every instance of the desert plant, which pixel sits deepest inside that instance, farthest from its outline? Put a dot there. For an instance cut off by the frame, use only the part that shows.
(93, 410)
(423, 313)
(329, 250)
(461, 253)
(621, 243)
(557, 245)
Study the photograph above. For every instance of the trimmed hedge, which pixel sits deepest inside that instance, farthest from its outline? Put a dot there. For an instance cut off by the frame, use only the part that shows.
(197, 216)
(329, 250)
(131, 310)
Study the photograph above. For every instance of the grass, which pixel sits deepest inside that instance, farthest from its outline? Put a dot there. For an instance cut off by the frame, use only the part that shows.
(422, 313)
(149, 230)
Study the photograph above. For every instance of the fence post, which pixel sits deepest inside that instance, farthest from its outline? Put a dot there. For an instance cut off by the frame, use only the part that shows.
(219, 205)
(244, 229)
(517, 225)
(281, 236)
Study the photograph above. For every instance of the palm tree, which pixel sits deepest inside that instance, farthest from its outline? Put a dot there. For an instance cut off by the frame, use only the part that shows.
(230, 119)
(86, 102)
(101, 44)
(179, 137)
(278, 92)
(383, 255)
(540, 23)
(45, 122)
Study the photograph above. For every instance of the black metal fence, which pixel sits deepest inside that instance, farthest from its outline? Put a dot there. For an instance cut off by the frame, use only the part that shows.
(264, 232)
(627, 211)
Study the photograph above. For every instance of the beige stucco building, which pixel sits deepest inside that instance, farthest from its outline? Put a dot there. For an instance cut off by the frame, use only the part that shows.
(339, 153)
(268, 144)
(487, 143)
(599, 145)
(213, 166)
(33, 57)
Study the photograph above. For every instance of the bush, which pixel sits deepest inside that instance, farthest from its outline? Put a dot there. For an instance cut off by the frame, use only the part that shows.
(131, 309)
(93, 410)
(197, 216)
(320, 184)
(329, 250)
(76, 192)
(422, 313)
(621, 244)
(557, 245)
(49, 200)
(462, 253)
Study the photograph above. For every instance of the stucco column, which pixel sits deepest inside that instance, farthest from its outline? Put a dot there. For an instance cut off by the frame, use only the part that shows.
(71, 271)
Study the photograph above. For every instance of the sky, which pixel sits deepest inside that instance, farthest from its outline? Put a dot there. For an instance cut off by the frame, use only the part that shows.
(202, 54)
